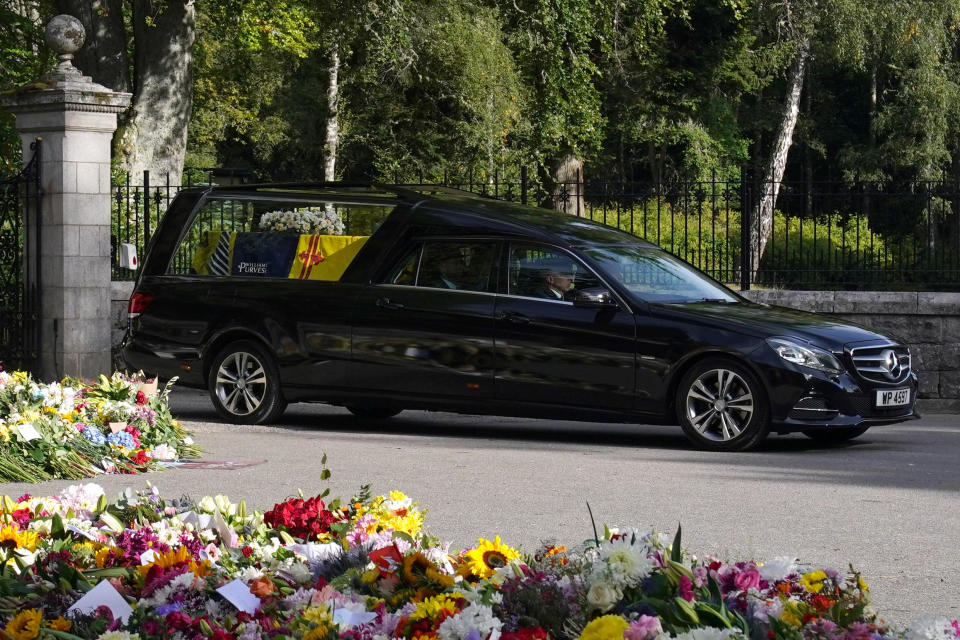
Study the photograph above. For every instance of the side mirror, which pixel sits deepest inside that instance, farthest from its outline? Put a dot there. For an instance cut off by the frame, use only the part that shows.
(596, 298)
(128, 256)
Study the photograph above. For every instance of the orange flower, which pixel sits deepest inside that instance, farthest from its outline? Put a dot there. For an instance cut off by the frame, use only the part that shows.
(821, 603)
(262, 587)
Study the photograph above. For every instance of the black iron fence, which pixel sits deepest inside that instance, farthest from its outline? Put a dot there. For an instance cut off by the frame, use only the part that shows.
(821, 235)
(20, 197)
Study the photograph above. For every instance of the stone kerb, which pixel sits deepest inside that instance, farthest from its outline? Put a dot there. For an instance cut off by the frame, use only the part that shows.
(929, 322)
(75, 118)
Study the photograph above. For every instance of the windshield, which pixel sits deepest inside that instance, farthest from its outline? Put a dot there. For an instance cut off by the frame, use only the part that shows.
(656, 276)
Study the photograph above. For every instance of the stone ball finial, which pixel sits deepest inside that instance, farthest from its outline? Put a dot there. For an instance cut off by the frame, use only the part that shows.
(64, 35)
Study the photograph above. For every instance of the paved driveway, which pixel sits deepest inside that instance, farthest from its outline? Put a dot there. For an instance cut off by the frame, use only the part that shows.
(889, 502)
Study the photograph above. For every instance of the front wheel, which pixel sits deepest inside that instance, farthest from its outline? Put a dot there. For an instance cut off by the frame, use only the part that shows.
(244, 384)
(722, 406)
(831, 436)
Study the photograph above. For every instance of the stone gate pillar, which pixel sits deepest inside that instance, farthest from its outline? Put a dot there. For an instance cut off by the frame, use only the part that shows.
(75, 118)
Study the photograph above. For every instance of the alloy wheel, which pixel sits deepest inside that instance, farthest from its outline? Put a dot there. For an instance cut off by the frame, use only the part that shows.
(719, 405)
(241, 383)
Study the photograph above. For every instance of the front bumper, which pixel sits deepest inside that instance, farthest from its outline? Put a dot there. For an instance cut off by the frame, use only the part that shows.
(805, 400)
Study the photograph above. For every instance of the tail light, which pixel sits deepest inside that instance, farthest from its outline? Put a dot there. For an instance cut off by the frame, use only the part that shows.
(139, 302)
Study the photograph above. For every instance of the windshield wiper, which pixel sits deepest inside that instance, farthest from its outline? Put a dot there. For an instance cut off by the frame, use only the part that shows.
(718, 300)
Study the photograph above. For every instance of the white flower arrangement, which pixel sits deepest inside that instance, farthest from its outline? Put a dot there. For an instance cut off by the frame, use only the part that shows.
(314, 221)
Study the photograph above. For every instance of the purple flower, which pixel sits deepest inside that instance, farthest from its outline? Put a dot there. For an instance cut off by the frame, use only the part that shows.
(686, 589)
(164, 609)
(644, 628)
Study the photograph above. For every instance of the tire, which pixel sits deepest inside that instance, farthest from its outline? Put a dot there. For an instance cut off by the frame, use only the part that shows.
(244, 384)
(373, 412)
(722, 406)
(830, 436)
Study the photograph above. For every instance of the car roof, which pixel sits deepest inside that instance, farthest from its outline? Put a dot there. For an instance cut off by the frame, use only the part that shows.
(441, 205)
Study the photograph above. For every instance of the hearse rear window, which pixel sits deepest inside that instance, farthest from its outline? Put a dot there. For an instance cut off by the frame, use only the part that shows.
(282, 238)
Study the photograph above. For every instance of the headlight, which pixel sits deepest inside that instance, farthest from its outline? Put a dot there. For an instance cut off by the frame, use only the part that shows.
(805, 355)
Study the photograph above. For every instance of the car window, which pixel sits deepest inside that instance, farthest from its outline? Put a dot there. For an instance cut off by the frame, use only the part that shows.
(460, 265)
(656, 276)
(275, 238)
(537, 271)
(405, 271)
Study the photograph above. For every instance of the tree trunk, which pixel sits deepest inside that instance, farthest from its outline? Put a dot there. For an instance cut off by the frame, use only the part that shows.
(154, 137)
(762, 223)
(103, 56)
(567, 177)
(333, 117)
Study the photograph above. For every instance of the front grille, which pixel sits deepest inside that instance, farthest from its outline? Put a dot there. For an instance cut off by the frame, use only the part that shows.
(812, 408)
(888, 364)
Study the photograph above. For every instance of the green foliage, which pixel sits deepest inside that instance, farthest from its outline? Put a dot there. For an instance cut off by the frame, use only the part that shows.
(454, 98)
(23, 58)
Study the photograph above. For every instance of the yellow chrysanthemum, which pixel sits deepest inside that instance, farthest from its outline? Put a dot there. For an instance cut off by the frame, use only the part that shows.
(605, 628)
(813, 581)
(60, 624)
(13, 538)
(434, 607)
(488, 557)
(862, 584)
(25, 626)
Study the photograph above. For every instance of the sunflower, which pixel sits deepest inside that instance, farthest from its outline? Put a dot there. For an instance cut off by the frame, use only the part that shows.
(417, 567)
(60, 624)
(489, 556)
(26, 626)
(13, 538)
(176, 558)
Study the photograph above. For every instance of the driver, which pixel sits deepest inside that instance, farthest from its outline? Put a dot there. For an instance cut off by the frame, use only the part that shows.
(557, 277)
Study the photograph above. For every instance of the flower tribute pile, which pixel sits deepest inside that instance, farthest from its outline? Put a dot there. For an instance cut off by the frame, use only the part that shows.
(315, 221)
(145, 568)
(76, 429)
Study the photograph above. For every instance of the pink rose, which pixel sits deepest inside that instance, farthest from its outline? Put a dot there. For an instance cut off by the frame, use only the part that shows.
(749, 579)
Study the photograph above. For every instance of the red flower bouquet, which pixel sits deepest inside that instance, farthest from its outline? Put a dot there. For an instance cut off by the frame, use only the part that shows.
(301, 518)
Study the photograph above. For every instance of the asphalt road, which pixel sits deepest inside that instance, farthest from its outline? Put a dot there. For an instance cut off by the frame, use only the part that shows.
(888, 502)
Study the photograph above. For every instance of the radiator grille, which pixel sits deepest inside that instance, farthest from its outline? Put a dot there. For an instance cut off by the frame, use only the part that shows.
(889, 364)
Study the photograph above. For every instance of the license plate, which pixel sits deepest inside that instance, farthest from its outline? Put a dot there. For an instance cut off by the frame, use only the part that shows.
(893, 397)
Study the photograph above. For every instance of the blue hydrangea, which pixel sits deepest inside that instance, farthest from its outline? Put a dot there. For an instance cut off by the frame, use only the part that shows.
(94, 435)
(121, 439)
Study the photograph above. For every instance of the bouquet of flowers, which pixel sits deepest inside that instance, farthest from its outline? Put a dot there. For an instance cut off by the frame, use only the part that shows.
(144, 568)
(308, 220)
(76, 429)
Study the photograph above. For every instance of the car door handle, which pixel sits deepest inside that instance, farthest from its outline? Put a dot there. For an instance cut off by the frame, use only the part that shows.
(514, 317)
(384, 303)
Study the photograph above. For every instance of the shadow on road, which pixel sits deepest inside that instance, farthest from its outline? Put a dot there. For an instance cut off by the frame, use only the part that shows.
(921, 454)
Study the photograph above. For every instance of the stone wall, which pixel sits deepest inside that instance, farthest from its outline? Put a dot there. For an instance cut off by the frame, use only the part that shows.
(928, 322)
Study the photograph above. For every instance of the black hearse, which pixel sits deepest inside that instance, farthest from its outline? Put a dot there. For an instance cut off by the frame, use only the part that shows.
(429, 298)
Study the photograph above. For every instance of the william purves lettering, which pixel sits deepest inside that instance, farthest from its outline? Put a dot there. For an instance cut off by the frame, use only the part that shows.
(253, 267)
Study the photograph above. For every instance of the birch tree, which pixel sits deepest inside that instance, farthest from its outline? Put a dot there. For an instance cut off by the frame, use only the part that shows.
(792, 21)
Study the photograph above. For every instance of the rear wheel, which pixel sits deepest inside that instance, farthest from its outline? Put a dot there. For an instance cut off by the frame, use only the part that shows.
(842, 434)
(722, 406)
(244, 384)
(373, 412)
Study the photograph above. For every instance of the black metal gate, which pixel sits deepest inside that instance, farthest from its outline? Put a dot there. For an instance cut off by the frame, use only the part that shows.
(20, 266)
